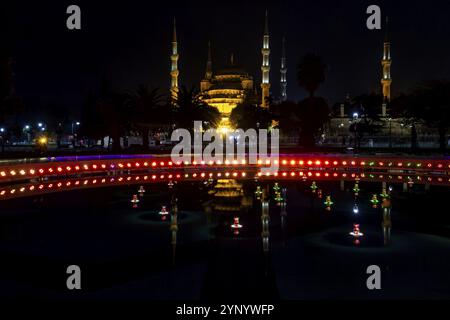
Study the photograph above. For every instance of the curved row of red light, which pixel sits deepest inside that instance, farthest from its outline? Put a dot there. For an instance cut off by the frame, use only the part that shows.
(16, 191)
(32, 170)
(316, 174)
(364, 163)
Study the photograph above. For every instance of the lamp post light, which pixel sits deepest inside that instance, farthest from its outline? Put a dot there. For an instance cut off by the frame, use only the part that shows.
(41, 144)
(355, 128)
(75, 124)
(2, 141)
(26, 129)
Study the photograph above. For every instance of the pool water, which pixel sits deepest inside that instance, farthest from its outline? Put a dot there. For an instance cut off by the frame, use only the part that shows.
(300, 250)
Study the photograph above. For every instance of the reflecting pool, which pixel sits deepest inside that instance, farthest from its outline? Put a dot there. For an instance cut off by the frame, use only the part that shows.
(212, 238)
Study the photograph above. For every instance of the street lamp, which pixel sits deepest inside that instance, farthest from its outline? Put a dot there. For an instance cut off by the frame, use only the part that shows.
(2, 130)
(26, 129)
(77, 124)
(390, 133)
(73, 133)
(42, 143)
(355, 128)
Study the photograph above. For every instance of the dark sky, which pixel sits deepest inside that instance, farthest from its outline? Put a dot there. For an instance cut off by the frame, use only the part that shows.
(129, 41)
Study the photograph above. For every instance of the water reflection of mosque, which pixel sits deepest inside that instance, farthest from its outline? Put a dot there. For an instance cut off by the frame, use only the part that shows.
(228, 196)
(235, 197)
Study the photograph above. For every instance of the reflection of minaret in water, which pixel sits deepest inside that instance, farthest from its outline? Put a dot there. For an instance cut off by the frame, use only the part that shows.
(386, 224)
(174, 228)
(283, 215)
(265, 231)
(386, 206)
(283, 71)
(265, 224)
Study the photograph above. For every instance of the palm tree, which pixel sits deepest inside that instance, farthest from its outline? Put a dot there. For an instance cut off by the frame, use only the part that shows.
(246, 116)
(431, 102)
(285, 113)
(149, 110)
(91, 125)
(113, 111)
(189, 107)
(402, 107)
(107, 113)
(6, 102)
(311, 73)
(313, 112)
(367, 107)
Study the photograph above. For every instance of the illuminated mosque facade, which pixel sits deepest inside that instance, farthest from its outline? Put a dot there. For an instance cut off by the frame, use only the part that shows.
(230, 86)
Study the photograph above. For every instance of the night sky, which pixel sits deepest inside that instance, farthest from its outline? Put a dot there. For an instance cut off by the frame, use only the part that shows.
(129, 43)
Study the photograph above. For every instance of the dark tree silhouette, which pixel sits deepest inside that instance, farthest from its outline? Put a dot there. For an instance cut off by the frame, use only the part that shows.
(92, 124)
(402, 107)
(430, 102)
(149, 110)
(189, 107)
(11, 105)
(5, 87)
(311, 73)
(108, 114)
(368, 108)
(246, 116)
(116, 112)
(313, 112)
(286, 116)
(368, 105)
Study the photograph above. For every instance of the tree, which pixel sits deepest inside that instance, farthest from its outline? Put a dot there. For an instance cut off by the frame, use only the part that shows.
(313, 112)
(92, 124)
(5, 81)
(285, 114)
(402, 107)
(189, 107)
(431, 102)
(366, 107)
(116, 110)
(311, 73)
(109, 113)
(246, 116)
(148, 109)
